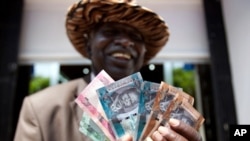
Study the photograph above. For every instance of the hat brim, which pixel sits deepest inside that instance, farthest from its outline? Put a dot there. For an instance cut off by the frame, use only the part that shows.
(82, 17)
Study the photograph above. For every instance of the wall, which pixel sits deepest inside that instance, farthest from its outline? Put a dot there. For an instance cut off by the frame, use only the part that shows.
(237, 23)
(44, 36)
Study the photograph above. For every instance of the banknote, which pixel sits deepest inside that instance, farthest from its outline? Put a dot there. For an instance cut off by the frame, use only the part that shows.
(89, 92)
(97, 118)
(185, 112)
(163, 116)
(120, 101)
(163, 99)
(166, 94)
(181, 108)
(172, 89)
(90, 129)
(147, 98)
(128, 124)
(89, 102)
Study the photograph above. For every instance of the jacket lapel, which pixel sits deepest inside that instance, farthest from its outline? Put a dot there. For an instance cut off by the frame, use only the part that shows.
(76, 110)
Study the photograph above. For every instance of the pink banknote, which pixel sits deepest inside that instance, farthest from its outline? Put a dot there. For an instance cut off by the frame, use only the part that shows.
(88, 101)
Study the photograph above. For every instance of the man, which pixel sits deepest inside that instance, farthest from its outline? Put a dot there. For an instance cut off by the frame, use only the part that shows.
(117, 36)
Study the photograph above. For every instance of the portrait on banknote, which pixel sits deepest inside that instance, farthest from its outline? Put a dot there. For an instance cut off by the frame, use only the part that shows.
(165, 101)
(181, 114)
(124, 102)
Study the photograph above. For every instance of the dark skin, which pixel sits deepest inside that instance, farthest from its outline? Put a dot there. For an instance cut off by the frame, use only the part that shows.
(119, 49)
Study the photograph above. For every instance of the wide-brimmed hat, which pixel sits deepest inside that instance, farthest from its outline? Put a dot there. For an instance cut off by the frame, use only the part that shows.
(84, 15)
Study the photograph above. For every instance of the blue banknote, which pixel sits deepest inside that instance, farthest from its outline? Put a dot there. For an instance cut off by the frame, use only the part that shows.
(120, 101)
(147, 98)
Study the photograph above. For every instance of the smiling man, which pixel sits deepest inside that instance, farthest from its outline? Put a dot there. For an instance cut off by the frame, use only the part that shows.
(117, 48)
(118, 36)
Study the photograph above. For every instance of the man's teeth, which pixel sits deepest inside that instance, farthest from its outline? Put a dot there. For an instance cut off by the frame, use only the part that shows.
(122, 55)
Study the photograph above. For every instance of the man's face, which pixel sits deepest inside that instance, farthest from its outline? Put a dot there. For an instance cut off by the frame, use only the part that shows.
(118, 49)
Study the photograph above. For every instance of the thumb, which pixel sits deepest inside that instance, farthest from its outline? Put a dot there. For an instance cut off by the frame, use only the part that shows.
(126, 137)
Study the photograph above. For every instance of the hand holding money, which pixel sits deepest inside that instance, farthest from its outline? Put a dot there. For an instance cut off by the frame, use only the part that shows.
(136, 110)
(177, 130)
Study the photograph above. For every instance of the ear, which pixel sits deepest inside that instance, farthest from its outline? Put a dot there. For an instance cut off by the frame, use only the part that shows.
(88, 49)
(88, 37)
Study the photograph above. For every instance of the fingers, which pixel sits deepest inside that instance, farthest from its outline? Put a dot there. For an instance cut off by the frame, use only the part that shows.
(157, 136)
(126, 137)
(176, 131)
(185, 130)
(166, 134)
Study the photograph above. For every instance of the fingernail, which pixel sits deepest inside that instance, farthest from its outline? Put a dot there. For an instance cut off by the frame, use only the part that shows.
(148, 139)
(126, 137)
(174, 122)
(166, 131)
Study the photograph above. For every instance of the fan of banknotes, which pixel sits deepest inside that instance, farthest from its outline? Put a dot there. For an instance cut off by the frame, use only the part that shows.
(132, 106)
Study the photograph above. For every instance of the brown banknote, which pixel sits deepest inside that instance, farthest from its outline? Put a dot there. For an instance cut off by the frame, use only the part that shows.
(182, 110)
(167, 95)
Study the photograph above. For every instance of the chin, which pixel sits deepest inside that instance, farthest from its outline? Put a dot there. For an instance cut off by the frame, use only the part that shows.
(119, 74)
(120, 71)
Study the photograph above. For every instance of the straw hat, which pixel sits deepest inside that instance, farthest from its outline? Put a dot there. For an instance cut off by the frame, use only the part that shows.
(83, 16)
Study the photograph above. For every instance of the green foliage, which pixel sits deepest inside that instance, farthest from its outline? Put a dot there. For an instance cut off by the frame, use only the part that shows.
(185, 80)
(38, 83)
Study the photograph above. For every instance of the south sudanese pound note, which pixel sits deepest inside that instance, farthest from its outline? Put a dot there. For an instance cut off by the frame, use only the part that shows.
(120, 101)
(165, 96)
(172, 89)
(102, 79)
(88, 101)
(182, 109)
(90, 129)
(162, 120)
(147, 98)
(184, 112)
(98, 119)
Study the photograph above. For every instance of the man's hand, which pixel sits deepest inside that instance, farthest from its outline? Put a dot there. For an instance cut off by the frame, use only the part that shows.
(126, 137)
(178, 131)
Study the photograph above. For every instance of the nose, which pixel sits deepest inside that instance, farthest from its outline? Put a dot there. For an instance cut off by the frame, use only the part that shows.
(124, 41)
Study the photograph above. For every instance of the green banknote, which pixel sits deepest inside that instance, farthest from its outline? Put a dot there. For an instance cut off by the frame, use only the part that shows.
(89, 128)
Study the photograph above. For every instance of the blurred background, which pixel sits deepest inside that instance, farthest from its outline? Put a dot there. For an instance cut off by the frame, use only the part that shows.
(207, 56)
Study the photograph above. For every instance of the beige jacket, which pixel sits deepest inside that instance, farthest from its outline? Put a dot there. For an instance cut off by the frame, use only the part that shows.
(52, 114)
